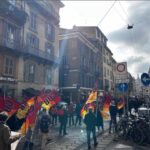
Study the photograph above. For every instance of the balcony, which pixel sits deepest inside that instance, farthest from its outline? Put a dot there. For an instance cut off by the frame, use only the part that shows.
(35, 52)
(8, 43)
(11, 11)
(45, 9)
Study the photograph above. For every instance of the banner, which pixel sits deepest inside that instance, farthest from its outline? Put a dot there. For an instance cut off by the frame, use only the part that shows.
(121, 103)
(89, 103)
(106, 105)
(9, 105)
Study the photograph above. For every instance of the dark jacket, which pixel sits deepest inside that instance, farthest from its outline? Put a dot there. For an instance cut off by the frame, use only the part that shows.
(5, 137)
(99, 119)
(90, 121)
(64, 117)
(113, 110)
(44, 123)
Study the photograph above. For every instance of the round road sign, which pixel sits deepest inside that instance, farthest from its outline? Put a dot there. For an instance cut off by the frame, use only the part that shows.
(121, 67)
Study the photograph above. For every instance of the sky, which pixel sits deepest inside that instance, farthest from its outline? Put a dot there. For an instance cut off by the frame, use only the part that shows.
(132, 46)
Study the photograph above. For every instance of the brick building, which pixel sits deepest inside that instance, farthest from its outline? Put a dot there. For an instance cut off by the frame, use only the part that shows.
(80, 67)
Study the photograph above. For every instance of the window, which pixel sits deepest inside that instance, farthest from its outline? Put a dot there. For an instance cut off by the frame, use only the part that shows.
(50, 32)
(33, 21)
(32, 40)
(49, 49)
(104, 72)
(10, 33)
(64, 60)
(48, 76)
(29, 72)
(9, 66)
(83, 61)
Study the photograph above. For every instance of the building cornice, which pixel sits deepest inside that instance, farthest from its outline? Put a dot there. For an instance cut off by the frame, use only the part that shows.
(81, 37)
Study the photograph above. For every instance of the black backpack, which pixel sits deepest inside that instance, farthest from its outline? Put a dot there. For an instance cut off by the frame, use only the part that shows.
(44, 124)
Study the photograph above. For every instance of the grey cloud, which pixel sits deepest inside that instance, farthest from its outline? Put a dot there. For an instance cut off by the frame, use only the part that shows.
(133, 59)
(138, 38)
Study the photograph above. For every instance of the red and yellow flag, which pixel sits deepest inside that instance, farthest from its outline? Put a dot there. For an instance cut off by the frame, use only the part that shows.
(106, 105)
(121, 103)
(89, 103)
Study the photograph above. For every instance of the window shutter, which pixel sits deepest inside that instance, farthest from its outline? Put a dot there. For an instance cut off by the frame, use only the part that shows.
(37, 42)
(26, 72)
(53, 33)
(28, 36)
(46, 28)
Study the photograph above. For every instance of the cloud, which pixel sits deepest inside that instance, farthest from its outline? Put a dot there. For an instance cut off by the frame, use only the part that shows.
(136, 39)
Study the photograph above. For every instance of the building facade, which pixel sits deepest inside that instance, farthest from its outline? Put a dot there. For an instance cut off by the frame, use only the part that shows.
(79, 67)
(96, 36)
(28, 45)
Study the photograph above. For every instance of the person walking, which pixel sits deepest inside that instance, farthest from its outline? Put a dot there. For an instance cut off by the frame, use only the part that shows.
(71, 114)
(5, 134)
(90, 122)
(99, 120)
(54, 115)
(78, 114)
(44, 128)
(113, 116)
(63, 117)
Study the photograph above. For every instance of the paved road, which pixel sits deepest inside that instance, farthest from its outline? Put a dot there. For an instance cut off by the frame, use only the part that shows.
(75, 139)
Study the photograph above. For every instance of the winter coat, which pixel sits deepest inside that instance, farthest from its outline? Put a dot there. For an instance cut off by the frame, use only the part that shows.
(63, 117)
(99, 119)
(90, 121)
(44, 123)
(5, 137)
(113, 110)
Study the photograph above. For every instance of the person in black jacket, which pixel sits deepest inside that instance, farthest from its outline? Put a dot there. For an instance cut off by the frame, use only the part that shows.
(44, 128)
(113, 116)
(90, 121)
(63, 118)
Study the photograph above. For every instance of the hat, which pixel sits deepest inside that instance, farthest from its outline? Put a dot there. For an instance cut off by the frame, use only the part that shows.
(3, 116)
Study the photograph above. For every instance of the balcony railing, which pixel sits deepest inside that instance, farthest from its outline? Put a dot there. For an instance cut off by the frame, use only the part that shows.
(10, 43)
(39, 53)
(16, 45)
(9, 10)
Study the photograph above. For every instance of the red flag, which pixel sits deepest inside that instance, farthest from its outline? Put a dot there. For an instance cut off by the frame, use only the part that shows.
(9, 105)
(121, 103)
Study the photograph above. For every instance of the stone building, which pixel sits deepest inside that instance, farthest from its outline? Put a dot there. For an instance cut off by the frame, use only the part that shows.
(85, 58)
(79, 67)
(28, 45)
(96, 36)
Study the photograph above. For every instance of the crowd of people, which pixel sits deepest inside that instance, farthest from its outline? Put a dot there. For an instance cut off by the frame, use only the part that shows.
(62, 115)
(69, 115)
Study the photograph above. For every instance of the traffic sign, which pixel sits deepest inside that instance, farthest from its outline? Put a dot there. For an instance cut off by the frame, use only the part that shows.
(123, 87)
(145, 79)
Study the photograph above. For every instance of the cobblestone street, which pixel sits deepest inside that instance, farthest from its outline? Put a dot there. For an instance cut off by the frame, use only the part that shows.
(74, 140)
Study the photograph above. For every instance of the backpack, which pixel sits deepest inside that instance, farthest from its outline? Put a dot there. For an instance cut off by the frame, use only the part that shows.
(44, 124)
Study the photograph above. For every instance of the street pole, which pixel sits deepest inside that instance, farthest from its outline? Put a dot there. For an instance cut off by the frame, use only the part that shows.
(124, 98)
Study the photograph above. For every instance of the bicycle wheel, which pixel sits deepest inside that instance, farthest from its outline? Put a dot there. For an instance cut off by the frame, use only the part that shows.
(120, 130)
(137, 136)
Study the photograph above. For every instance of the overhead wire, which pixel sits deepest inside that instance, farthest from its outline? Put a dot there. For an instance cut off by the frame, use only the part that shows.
(123, 10)
(121, 17)
(106, 13)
